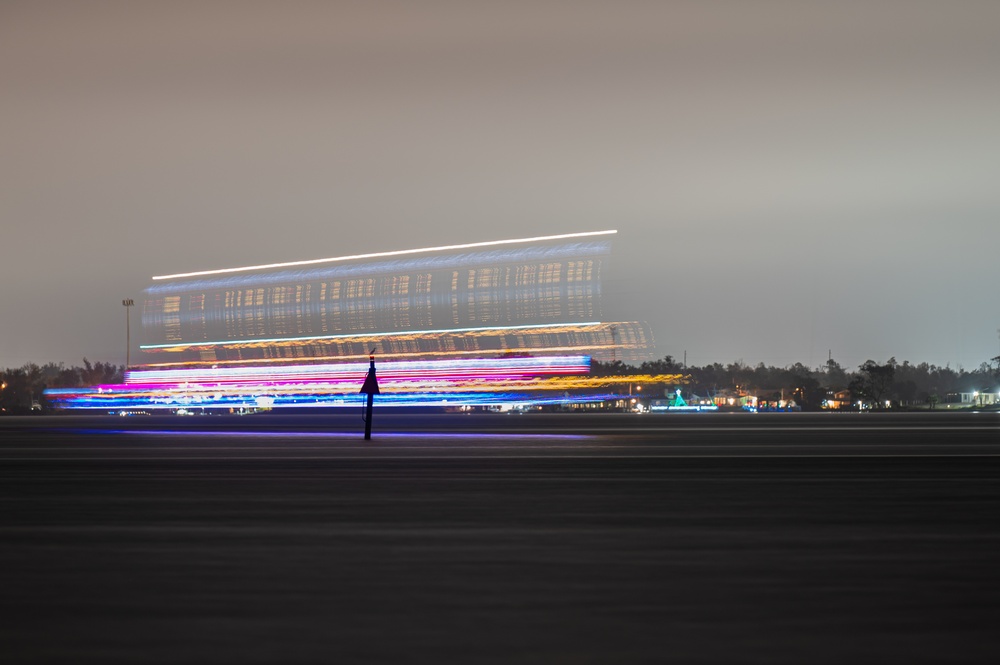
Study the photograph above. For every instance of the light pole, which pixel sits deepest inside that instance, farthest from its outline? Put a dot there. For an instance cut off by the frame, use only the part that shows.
(128, 303)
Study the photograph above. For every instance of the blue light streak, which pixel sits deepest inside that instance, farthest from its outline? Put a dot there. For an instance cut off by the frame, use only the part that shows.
(109, 401)
(278, 434)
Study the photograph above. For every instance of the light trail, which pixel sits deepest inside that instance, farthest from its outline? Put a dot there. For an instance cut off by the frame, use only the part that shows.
(365, 336)
(415, 355)
(375, 255)
(441, 369)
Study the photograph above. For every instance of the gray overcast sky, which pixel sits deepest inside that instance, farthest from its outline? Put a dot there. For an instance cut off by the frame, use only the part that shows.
(786, 177)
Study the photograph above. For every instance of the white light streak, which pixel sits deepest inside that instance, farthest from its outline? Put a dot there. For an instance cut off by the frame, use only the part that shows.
(378, 255)
(187, 345)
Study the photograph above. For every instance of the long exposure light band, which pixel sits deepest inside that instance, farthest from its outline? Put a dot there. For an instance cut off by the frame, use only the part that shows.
(437, 355)
(187, 345)
(447, 369)
(484, 381)
(572, 249)
(92, 400)
(375, 255)
(503, 323)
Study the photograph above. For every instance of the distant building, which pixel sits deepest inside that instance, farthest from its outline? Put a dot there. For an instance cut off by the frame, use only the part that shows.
(838, 399)
(980, 398)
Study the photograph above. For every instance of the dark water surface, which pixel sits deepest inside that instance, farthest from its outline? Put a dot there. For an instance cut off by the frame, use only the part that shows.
(538, 539)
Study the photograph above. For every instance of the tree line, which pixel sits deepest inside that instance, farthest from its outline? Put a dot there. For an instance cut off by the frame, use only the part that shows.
(22, 389)
(874, 383)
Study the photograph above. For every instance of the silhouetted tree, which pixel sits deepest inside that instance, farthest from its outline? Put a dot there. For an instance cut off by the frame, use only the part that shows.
(807, 392)
(25, 386)
(615, 368)
(98, 373)
(873, 382)
(836, 377)
(665, 366)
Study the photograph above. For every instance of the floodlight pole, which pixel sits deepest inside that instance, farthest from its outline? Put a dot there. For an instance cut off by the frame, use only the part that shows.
(128, 303)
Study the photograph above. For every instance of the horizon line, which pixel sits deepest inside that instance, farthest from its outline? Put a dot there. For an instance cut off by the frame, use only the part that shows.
(373, 255)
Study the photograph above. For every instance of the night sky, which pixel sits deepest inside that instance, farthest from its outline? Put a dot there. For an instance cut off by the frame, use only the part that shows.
(787, 178)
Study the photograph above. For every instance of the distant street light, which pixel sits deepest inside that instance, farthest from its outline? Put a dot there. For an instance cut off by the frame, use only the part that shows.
(128, 303)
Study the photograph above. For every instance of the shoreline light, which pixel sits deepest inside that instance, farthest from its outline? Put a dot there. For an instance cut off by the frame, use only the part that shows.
(375, 255)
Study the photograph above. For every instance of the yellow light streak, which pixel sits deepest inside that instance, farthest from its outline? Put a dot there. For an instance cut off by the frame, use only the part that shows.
(415, 355)
(534, 331)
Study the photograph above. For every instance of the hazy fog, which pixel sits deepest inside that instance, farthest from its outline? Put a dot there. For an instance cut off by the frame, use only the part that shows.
(787, 178)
